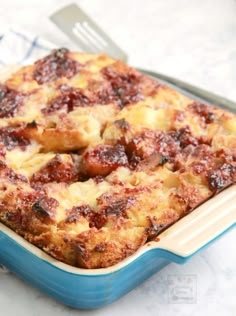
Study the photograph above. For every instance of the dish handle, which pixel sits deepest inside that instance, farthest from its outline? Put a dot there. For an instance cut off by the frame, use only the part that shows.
(202, 226)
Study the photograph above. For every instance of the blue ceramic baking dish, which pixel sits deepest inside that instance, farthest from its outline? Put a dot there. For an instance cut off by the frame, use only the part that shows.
(89, 289)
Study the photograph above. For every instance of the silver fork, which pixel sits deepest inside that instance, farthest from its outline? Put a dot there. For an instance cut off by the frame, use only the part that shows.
(78, 26)
(85, 32)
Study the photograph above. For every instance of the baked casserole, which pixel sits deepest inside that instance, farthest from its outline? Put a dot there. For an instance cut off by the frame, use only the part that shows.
(96, 159)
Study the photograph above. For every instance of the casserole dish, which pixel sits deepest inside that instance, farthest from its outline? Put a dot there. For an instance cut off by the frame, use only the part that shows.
(88, 289)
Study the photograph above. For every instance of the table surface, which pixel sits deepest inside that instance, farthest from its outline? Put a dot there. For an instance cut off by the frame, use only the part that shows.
(191, 40)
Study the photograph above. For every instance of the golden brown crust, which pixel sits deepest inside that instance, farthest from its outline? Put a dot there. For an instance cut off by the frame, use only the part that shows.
(96, 159)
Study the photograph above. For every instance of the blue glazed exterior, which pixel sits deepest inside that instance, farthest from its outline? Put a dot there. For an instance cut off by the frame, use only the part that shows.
(78, 291)
(84, 291)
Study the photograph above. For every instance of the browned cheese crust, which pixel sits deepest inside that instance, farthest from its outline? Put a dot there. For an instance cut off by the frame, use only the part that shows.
(96, 159)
